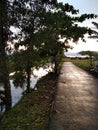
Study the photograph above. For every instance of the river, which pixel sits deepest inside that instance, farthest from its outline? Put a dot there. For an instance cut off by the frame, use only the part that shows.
(17, 92)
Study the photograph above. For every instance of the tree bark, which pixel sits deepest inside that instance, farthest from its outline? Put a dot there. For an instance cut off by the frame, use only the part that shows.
(3, 56)
(7, 87)
(56, 60)
(28, 78)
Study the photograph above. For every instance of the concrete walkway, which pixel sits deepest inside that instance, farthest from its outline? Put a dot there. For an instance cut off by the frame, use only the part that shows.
(76, 103)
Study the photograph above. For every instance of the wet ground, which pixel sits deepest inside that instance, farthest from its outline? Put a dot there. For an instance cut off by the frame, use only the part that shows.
(76, 103)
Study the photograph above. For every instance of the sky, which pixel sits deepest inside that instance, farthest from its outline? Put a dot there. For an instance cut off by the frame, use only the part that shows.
(84, 6)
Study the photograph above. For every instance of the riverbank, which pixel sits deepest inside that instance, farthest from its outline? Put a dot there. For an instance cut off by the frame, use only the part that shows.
(33, 112)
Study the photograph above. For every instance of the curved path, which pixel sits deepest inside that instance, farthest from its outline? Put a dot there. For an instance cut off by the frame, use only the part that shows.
(76, 103)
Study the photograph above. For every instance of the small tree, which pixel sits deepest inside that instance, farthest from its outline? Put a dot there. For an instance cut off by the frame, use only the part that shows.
(29, 17)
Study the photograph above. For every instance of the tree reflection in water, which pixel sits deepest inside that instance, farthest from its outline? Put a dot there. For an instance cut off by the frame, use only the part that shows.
(18, 89)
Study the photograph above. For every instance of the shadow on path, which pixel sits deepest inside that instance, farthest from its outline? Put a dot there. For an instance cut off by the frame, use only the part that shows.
(76, 103)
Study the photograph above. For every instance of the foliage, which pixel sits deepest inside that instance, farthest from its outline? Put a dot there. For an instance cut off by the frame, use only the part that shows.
(92, 54)
(95, 32)
(89, 53)
(29, 19)
(59, 22)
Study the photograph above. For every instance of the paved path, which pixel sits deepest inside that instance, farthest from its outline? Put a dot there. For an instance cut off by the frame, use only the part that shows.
(76, 104)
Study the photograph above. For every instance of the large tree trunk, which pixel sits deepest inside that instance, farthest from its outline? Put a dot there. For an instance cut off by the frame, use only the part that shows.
(29, 65)
(7, 87)
(3, 57)
(5, 76)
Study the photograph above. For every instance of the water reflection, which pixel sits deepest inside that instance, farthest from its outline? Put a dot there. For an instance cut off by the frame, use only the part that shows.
(17, 92)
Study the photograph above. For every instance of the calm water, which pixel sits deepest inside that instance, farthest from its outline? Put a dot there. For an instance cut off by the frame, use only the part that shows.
(17, 91)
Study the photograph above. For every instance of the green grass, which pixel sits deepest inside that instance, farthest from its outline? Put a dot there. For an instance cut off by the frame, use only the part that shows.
(34, 110)
(82, 63)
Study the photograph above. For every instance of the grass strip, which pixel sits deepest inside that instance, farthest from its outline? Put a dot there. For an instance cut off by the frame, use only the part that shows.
(34, 109)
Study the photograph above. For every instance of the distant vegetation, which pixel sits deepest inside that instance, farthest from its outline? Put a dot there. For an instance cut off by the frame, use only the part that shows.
(84, 63)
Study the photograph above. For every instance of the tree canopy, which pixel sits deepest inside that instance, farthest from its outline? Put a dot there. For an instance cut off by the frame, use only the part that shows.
(95, 31)
(39, 24)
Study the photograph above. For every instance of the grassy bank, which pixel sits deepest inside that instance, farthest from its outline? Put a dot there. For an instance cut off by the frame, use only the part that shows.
(34, 110)
(82, 63)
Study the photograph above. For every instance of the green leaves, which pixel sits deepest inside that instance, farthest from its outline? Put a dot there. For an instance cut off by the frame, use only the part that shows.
(86, 16)
(67, 8)
(95, 31)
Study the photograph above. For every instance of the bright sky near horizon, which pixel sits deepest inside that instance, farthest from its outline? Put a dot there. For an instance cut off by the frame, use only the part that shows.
(84, 6)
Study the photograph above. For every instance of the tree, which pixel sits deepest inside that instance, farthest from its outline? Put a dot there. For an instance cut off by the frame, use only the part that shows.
(29, 17)
(40, 23)
(4, 35)
(59, 22)
(91, 54)
(95, 32)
